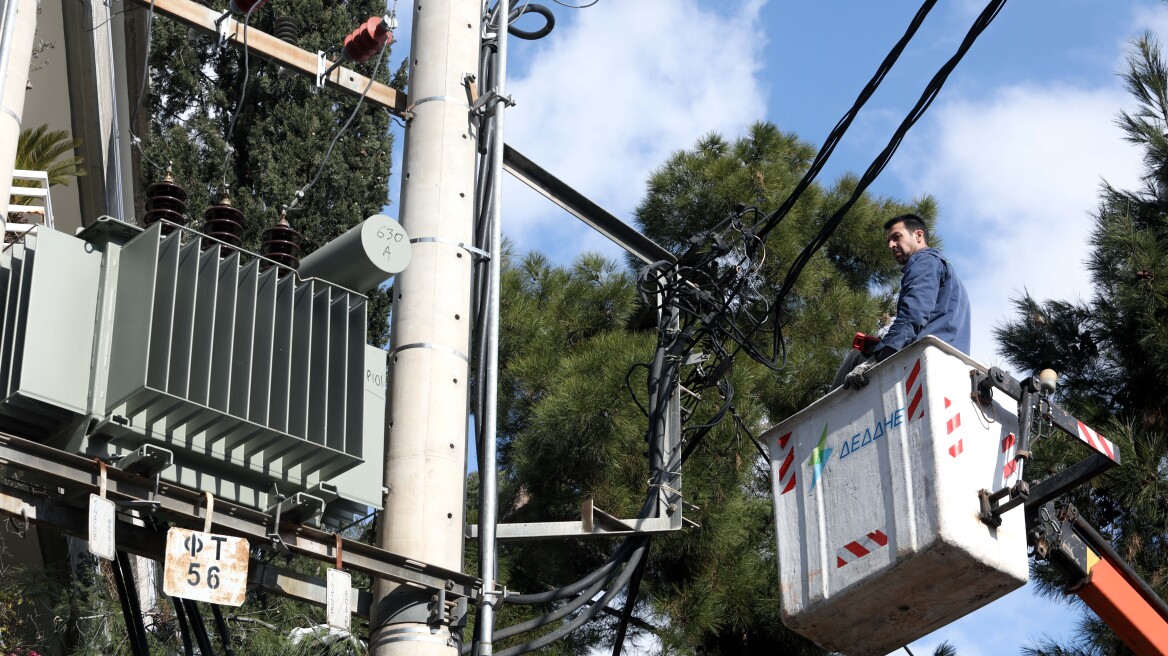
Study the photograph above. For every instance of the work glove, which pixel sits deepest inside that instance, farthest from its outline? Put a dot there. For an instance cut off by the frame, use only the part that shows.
(857, 378)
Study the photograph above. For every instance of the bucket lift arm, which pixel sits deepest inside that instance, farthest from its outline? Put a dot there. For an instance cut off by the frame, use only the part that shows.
(1100, 577)
(1093, 569)
(1036, 407)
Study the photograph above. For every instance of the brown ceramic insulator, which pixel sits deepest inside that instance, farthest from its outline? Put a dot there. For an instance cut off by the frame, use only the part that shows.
(225, 223)
(281, 244)
(285, 28)
(165, 200)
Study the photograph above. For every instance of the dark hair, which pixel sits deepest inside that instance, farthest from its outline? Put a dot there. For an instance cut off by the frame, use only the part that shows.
(910, 221)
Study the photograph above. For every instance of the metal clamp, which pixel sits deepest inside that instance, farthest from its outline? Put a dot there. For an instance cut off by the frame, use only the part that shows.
(429, 345)
(491, 98)
(421, 101)
(441, 607)
(277, 539)
(221, 27)
(324, 68)
(478, 252)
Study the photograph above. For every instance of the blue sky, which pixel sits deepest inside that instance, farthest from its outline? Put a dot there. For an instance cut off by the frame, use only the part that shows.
(1014, 149)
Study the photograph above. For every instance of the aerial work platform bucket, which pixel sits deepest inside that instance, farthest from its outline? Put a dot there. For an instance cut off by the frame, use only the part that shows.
(876, 504)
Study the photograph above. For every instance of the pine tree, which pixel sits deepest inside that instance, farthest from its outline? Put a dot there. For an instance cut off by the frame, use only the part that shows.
(1111, 352)
(280, 135)
(570, 429)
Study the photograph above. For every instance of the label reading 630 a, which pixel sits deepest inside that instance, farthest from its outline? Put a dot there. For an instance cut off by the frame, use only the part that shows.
(205, 567)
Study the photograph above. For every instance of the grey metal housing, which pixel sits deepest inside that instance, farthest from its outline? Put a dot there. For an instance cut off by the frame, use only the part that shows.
(258, 382)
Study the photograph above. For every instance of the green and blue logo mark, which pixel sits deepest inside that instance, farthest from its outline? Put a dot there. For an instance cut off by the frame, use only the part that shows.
(819, 457)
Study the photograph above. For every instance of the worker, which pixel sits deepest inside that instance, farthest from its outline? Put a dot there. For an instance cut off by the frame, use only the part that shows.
(932, 299)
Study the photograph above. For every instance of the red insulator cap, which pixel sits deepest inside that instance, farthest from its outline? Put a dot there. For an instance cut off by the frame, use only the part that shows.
(244, 6)
(367, 40)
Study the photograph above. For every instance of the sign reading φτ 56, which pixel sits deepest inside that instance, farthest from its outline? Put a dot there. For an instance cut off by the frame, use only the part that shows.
(205, 567)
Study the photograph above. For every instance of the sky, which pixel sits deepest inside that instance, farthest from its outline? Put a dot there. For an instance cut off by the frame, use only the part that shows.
(1014, 149)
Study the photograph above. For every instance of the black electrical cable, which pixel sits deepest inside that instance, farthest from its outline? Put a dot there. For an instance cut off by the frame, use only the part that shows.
(564, 4)
(228, 149)
(123, 562)
(837, 133)
(221, 627)
(617, 585)
(328, 153)
(197, 626)
(630, 601)
(618, 556)
(531, 35)
(559, 612)
(927, 96)
(135, 140)
(758, 445)
(136, 647)
(183, 629)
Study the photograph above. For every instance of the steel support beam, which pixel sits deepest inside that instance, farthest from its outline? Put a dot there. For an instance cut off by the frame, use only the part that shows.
(65, 479)
(581, 207)
(279, 52)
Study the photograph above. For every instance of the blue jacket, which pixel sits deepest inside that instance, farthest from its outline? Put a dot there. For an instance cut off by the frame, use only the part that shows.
(932, 302)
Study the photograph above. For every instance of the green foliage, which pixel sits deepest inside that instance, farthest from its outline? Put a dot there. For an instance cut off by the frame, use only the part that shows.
(280, 137)
(570, 430)
(1111, 352)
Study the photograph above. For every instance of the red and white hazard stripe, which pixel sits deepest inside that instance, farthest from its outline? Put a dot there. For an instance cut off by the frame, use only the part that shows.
(953, 424)
(915, 389)
(1096, 441)
(786, 470)
(857, 549)
(1011, 466)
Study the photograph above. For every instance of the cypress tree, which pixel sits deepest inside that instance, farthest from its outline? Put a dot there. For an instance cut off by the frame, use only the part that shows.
(280, 134)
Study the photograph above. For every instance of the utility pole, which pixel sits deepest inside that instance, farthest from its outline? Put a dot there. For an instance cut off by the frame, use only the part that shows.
(425, 469)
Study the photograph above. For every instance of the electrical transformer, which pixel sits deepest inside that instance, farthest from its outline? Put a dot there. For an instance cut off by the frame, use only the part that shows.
(259, 382)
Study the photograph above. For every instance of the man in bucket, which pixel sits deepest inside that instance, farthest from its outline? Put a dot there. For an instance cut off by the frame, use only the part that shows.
(932, 299)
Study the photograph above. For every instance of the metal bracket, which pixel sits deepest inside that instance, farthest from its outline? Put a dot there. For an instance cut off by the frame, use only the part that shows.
(444, 610)
(491, 97)
(221, 27)
(1051, 534)
(324, 68)
(300, 508)
(148, 461)
(991, 513)
(274, 535)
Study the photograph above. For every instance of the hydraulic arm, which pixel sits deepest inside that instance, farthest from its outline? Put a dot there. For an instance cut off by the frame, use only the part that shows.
(1100, 577)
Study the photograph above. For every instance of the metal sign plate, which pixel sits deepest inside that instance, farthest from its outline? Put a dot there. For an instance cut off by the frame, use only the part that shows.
(338, 599)
(101, 527)
(205, 567)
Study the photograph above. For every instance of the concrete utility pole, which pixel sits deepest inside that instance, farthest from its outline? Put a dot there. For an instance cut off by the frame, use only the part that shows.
(18, 21)
(425, 468)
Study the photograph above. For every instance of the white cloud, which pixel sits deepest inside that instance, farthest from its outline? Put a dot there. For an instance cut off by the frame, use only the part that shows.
(612, 92)
(1152, 17)
(1017, 175)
